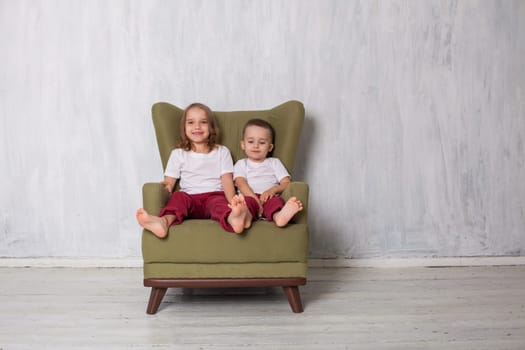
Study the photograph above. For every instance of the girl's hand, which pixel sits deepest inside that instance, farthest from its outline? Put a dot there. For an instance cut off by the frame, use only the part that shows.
(260, 206)
(167, 186)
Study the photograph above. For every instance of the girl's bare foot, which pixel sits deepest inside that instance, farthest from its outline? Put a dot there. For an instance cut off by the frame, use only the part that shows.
(157, 225)
(240, 217)
(292, 207)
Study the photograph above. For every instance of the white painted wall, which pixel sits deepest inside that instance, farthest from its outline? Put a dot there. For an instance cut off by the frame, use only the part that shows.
(414, 137)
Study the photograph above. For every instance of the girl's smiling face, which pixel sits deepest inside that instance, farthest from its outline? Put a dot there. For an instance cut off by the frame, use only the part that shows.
(197, 128)
(257, 143)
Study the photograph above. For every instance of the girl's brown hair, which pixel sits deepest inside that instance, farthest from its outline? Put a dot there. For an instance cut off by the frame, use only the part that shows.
(213, 140)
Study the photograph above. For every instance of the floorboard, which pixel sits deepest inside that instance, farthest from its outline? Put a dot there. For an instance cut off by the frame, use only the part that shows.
(345, 308)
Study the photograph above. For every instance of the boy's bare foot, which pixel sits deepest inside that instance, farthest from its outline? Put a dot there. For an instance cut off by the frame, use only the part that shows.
(240, 217)
(292, 207)
(157, 225)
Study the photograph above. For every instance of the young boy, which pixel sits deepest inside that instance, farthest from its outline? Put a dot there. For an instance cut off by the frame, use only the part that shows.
(260, 179)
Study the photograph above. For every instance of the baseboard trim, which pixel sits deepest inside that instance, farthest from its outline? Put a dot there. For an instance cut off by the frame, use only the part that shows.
(72, 262)
(136, 262)
(420, 262)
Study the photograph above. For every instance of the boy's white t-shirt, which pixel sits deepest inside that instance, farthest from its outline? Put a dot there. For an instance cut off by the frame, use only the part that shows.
(199, 172)
(260, 176)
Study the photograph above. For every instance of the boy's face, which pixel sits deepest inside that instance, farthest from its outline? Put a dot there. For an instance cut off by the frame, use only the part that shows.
(257, 143)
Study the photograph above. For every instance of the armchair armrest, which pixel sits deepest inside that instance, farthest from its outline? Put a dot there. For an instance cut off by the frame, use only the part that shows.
(299, 190)
(154, 197)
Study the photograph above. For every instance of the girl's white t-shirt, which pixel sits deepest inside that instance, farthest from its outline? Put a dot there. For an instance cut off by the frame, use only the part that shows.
(199, 172)
(260, 176)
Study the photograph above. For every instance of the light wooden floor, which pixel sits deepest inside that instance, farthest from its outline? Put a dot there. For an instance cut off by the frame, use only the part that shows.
(357, 308)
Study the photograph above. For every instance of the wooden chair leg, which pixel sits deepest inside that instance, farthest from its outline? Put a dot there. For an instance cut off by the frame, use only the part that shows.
(155, 298)
(294, 298)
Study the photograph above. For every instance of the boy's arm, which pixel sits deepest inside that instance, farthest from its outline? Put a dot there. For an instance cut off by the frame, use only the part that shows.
(275, 190)
(227, 186)
(169, 183)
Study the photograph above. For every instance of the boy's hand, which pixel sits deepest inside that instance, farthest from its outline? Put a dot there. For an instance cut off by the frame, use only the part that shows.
(267, 195)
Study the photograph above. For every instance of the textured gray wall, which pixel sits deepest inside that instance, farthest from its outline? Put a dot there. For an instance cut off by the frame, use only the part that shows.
(414, 137)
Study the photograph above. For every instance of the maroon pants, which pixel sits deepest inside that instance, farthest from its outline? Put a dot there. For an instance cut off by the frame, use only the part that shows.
(270, 207)
(209, 205)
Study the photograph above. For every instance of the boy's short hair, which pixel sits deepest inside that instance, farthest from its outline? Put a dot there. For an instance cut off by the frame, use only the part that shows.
(260, 123)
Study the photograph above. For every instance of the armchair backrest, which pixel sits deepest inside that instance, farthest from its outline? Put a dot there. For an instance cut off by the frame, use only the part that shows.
(287, 120)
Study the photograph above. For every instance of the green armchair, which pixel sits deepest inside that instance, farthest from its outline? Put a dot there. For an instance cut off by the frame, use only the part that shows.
(199, 253)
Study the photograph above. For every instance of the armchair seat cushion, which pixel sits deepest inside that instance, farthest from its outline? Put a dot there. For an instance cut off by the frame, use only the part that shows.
(203, 241)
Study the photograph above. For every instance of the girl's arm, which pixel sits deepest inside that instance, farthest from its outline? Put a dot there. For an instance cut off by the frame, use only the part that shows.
(275, 190)
(227, 185)
(169, 183)
(246, 190)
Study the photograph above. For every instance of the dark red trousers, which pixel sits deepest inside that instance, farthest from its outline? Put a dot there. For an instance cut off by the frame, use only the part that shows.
(209, 205)
(270, 207)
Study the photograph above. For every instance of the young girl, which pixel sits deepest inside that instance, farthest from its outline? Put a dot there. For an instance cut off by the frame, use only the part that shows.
(261, 179)
(204, 169)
